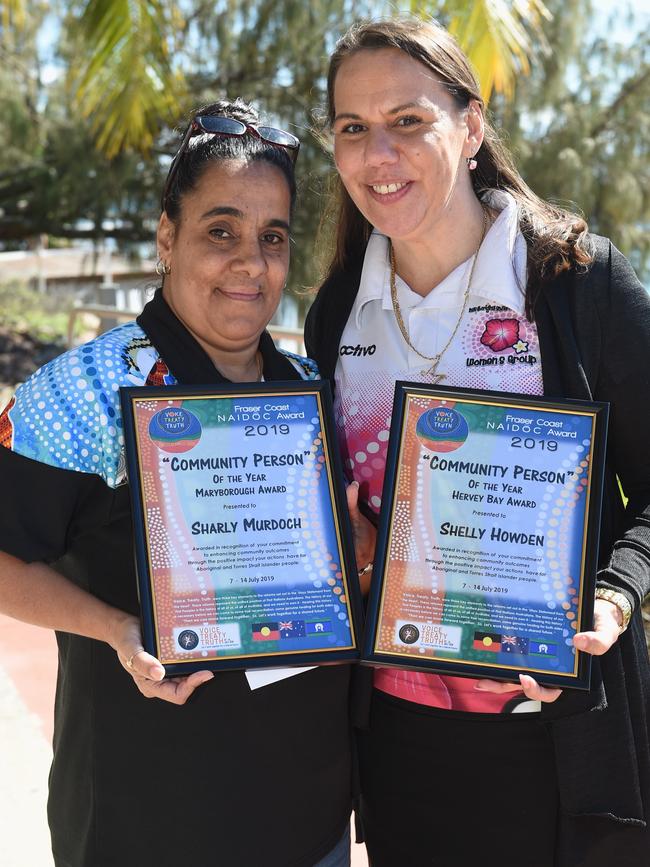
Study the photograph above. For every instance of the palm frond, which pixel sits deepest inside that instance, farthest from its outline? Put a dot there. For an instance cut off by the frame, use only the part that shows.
(13, 14)
(125, 82)
(500, 38)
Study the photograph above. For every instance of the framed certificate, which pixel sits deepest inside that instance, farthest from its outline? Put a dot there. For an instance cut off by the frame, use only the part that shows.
(242, 538)
(488, 539)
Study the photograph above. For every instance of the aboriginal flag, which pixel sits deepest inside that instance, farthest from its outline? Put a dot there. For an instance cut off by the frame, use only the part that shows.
(266, 631)
(489, 641)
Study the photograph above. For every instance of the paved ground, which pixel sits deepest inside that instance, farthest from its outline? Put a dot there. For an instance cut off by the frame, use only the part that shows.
(27, 676)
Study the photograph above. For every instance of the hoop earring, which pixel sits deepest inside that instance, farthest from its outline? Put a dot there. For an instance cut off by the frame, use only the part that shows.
(471, 163)
(162, 268)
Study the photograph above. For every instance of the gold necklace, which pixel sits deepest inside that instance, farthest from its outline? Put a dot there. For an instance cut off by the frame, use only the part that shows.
(435, 377)
(260, 365)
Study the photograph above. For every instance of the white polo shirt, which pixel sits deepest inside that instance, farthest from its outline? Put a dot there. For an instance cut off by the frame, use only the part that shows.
(495, 348)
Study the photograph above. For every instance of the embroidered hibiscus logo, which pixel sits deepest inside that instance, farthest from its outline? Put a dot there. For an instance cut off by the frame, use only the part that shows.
(500, 334)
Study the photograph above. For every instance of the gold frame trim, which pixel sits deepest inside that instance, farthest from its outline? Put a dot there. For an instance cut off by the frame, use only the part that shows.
(326, 451)
(408, 396)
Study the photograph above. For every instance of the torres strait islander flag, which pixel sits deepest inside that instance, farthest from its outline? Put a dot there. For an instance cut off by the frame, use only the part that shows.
(318, 627)
(543, 648)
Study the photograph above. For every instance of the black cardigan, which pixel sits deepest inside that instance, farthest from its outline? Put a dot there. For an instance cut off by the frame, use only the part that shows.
(594, 333)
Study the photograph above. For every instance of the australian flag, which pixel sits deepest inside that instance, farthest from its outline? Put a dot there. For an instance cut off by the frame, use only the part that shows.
(514, 644)
(292, 628)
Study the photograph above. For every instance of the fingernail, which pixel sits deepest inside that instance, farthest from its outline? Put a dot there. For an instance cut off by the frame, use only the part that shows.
(478, 685)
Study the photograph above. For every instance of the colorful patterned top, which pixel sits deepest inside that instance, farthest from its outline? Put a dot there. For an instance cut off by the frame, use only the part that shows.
(119, 759)
(68, 415)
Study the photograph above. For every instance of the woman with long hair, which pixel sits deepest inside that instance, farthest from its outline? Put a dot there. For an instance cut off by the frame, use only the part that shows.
(445, 260)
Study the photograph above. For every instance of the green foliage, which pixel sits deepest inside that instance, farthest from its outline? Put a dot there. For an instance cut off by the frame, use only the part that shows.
(274, 55)
(123, 79)
(131, 69)
(580, 126)
(499, 38)
(13, 14)
(28, 311)
(90, 162)
(65, 179)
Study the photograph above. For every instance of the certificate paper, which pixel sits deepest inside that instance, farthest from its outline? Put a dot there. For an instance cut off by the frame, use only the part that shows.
(242, 543)
(487, 546)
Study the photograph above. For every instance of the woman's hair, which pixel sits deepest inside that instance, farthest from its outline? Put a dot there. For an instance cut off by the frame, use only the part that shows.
(556, 239)
(204, 149)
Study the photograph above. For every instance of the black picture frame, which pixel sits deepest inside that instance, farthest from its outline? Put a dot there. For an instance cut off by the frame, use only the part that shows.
(447, 651)
(274, 650)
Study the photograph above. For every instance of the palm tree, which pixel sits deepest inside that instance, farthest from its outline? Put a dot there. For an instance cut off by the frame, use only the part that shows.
(127, 75)
(129, 82)
(125, 80)
(500, 37)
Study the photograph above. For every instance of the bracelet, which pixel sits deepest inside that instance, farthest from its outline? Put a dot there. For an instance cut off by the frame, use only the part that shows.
(620, 601)
(365, 570)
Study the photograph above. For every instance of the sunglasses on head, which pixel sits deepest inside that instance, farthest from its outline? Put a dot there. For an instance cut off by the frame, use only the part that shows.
(211, 124)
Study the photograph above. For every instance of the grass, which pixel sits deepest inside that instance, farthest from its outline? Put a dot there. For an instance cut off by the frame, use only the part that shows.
(25, 310)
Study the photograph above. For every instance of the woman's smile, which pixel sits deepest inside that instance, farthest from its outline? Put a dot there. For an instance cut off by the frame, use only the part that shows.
(389, 192)
(244, 295)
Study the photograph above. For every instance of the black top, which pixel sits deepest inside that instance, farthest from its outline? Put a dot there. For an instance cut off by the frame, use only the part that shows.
(235, 776)
(594, 333)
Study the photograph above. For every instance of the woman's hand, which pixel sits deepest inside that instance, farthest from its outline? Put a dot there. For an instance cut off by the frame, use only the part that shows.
(36, 593)
(607, 622)
(363, 532)
(532, 690)
(146, 671)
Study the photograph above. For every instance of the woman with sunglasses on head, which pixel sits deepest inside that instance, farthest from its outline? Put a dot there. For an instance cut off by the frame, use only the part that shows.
(449, 268)
(233, 776)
